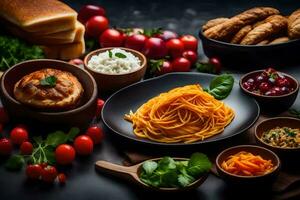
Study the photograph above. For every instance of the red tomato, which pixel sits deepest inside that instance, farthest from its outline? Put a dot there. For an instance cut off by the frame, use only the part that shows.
(49, 174)
(96, 25)
(136, 42)
(95, 133)
(43, 165)
(190, 42)
(34, 171)
(62, 178)
(165, 68)
(18, 135)
(181, 65)
(64, 154)
(216, 63)
(6, 147)
(88, 11)
(83, 145)
(100, 104)
(111, 38)
(3, 116)
(191, 56)
(155, 48)
(175, 47)
(167, 35)
(26, 148)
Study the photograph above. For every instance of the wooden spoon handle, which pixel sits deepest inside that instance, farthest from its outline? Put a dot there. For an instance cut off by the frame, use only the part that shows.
(118, 170)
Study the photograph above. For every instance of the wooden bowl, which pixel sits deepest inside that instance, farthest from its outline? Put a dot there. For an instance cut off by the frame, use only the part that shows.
(111, 82)
(248, 180)
(79, 116)
(276, 122)
(272, 104)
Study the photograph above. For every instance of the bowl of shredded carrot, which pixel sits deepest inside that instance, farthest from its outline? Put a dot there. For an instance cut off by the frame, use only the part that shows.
(248, 164)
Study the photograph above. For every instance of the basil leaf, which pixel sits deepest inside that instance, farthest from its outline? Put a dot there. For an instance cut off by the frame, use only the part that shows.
(149, 166)
(49, 81)
(120, 55)
(74, 131)
(221, 86)
(185, 180)
(50, 155)
(169, 178)
(153, 180)
(15, 162)
(198, 164)
(109, 53)
(166, 163)
(56, 138)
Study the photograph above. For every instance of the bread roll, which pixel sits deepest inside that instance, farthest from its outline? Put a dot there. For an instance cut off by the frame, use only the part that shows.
(294, 24)
(39, 16)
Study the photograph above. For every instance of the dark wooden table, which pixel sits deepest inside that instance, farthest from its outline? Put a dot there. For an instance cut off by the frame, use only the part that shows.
(83, 181)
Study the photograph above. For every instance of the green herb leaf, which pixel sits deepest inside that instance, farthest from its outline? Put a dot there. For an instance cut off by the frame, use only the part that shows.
(56, 138)
(15, 162)
(49, 81)
(169, 178)
(74, 131)
(198, 164)
(152, 32)
(149, 166)
(166, 163)
(221, 86)
(205, 67)
(109, 53)
(185, 180)
(155, 65)
(120, 55)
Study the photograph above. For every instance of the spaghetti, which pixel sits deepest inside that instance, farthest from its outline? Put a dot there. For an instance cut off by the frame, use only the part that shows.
(184, 114)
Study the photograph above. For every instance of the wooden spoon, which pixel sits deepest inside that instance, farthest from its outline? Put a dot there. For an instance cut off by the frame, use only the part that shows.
(132, 173)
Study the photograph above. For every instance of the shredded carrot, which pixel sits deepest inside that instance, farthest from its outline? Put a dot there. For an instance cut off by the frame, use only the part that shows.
(247, 164)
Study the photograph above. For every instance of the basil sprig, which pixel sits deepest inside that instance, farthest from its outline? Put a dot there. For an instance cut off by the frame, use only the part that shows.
(221, 86)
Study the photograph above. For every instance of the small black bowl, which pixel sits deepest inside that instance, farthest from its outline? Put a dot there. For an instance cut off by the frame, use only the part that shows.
(250, 57)
(272, 104)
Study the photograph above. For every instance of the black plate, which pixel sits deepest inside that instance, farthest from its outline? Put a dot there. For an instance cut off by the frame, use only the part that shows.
(132, 97)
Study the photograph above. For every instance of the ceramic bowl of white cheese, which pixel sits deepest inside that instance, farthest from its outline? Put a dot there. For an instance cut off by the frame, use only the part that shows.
(115, 67)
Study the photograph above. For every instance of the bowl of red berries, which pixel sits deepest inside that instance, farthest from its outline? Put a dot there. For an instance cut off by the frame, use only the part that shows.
(274, 91)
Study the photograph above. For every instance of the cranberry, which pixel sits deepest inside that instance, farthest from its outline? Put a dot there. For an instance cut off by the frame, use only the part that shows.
(259, 79)
(284, 90)
(282, 82)
(271, 93)
(277, 90)
(250, 80)
(248, 86)
(264, 87)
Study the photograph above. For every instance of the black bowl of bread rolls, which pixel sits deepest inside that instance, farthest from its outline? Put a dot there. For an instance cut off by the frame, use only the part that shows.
(50, 92)
(256, 38)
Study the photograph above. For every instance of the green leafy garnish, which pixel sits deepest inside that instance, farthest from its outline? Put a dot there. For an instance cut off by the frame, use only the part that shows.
(109, 53)
(170, 173)
(221, 86)
(43, 151)
(120, 55)
(49, 81)
(155, 65)
(153, 31)
(14, 50)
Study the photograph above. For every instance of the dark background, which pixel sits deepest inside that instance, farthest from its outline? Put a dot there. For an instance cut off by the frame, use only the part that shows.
(83, 181)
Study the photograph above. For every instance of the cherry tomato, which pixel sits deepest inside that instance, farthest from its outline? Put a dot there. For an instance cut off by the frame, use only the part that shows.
(111, 38)
(96, 25)
(3, 116)
(43, 165)
(191, 56)
(136, 42)
(6, 147)
(189, 42)
(18, 135)
(282, 82)
(64, 154)
(175, 47)
(181, 65)
(88, 11)
(83, 145)
(49, 174)
(95, 133)
(216, 63)
(26, 148)
(165, 68)
(77, 62)
(155, 48)
(34, 171)
(264, 87)
(167, 35)
(100, 104)
(61, 178)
